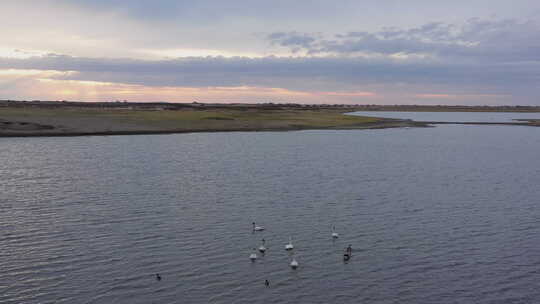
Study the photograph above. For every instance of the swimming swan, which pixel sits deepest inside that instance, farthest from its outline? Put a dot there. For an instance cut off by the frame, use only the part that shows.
(253, 256)
(262, 249)
(335, 235)
(257, 228)
(290, 245)
(294, 264)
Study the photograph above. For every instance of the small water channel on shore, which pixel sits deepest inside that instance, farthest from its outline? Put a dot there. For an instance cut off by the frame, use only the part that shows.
(452, 116)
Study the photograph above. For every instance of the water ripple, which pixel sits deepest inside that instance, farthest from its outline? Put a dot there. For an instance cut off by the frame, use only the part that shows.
(434, 216)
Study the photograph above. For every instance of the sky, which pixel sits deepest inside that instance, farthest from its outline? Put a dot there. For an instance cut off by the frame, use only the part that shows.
(474, 52)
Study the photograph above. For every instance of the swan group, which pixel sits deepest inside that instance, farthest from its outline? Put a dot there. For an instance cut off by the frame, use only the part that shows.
(289, 247)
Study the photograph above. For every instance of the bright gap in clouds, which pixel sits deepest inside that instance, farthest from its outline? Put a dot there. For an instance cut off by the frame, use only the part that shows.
(179, 53)
(14, 74)
(42, 85)
(49, 85)
(20, 53)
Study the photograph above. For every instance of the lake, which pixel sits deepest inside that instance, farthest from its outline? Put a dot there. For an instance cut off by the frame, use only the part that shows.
(453, 116)
(449, 214)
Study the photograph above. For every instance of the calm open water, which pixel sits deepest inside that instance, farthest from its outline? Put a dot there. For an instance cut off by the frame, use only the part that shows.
(435, 215)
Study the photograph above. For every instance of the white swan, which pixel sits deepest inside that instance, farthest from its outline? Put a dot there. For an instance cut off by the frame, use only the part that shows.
(290, 245)
(335, 235)
(257, 228)
(294, 263)
(262, 249)
(253, 256)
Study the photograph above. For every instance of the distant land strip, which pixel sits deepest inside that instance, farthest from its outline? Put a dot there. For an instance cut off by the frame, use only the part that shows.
(63, 118)
(269, 105)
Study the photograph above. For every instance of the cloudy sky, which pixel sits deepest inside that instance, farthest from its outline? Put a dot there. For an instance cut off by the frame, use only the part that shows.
(311, 51)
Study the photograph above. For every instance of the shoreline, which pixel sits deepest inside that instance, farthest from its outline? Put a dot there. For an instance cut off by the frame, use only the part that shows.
(37, 121)
(383, 124)
(68, 119)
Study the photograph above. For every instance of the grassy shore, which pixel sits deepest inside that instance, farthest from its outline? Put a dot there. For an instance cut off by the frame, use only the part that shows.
(71, 121)
(53, 118)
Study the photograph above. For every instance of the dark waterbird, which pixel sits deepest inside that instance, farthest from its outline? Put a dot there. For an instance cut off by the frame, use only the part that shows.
(348, 253)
